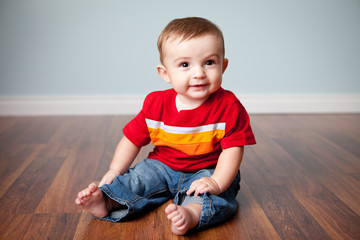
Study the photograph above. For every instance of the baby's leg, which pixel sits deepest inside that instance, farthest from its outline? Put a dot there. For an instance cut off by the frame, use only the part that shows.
(95, 202)
(183, 218)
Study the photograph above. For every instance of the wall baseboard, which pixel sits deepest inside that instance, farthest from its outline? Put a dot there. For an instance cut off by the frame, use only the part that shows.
(302, 104)
(117, 105)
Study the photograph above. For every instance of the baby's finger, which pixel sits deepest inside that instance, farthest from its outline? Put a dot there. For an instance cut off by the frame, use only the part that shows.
(190, 190)
(192, 187)
(201, 189)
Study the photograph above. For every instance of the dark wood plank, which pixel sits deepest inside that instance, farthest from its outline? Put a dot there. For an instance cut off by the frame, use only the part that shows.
(343, 130)
(25, 194)
(52, 226)
(70, 131)
(41, 226)
(335, 217)
(290, 219)
(76, 173)
(31, 130)
(250, 221)
(18, 157)
(346, 189)
(6, 123)
(264, 159)
(14, 226)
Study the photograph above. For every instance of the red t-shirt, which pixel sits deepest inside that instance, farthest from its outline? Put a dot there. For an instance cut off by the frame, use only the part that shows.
(190, 140)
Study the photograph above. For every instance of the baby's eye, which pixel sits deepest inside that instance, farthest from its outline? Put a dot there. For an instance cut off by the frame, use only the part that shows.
(210, 62)
(184, 64)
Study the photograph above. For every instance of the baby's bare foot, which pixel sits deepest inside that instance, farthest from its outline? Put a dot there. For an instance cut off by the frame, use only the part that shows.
(183, 218)
(93, 201)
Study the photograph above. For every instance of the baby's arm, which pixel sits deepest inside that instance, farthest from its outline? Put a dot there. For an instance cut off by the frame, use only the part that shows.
(224, 174)
(124, 156)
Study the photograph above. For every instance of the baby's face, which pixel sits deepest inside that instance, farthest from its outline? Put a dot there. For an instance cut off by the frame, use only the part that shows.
(194, 67)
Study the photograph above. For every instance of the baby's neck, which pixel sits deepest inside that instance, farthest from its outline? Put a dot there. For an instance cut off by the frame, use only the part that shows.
(186, 104)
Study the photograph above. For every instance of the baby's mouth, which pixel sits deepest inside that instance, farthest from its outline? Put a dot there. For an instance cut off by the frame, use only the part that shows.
(198, 85)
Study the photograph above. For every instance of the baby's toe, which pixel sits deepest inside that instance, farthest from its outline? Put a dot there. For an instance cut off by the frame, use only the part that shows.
(92, 187)
(170, 208)
(78, 201)
(87, 192)
(179, 222)
(177, 217)
(81, 195)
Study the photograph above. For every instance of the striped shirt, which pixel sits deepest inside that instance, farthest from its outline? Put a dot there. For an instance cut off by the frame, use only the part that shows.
(190, 140)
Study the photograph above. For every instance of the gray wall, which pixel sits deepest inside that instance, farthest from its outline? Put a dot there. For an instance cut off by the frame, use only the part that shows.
(93, 47)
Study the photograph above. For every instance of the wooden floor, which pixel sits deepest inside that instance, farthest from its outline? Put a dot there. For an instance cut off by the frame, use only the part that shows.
(301, 181)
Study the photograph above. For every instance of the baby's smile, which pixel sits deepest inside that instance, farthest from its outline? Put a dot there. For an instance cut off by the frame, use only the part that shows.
(199, 85)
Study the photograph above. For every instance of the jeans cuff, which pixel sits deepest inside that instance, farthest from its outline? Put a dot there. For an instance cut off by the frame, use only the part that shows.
(119, 214)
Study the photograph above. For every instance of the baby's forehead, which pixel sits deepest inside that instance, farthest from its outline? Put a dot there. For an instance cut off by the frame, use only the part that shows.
(180, 37)
(177, 40)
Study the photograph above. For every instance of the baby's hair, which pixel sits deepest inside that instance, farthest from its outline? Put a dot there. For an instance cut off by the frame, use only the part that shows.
(188, 28)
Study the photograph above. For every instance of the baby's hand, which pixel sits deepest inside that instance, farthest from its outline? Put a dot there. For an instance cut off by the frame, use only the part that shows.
(109, 177)
(203, 185)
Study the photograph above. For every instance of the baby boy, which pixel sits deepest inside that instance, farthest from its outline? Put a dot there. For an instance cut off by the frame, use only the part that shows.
(198, 129)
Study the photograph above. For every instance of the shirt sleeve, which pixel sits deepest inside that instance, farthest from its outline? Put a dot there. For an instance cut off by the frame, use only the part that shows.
(136, 130)
(238, 131)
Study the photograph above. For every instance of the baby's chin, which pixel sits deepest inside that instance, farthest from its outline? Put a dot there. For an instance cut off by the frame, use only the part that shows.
(201, 91)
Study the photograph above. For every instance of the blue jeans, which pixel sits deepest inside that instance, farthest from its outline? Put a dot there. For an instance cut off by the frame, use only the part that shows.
(151, 183)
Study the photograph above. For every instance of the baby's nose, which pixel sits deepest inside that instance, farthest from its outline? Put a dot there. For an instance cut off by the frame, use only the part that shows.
(199, 73)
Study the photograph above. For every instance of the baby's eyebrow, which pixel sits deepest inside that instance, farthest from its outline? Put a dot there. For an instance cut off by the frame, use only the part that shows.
(213, 55)
(182, 59)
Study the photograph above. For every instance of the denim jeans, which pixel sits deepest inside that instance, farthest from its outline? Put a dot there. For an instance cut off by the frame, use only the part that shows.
(151, 183)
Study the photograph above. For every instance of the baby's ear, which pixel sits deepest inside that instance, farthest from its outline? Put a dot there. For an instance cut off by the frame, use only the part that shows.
(225, 64)
(161, 69)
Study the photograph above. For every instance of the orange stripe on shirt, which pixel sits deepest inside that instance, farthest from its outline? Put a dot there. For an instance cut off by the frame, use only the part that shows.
(190, 149)
(187, 138)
